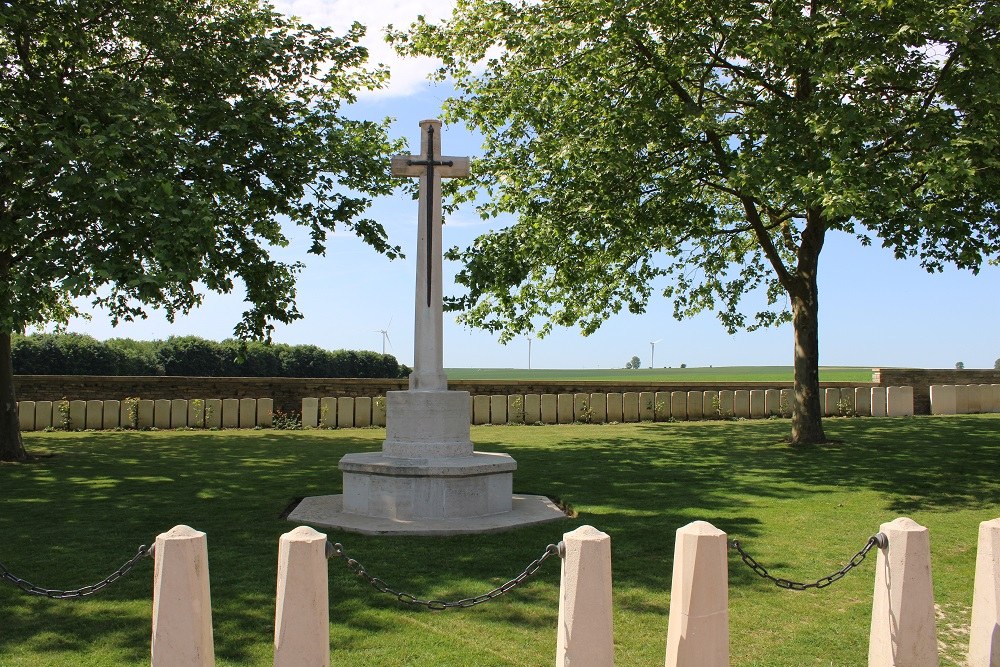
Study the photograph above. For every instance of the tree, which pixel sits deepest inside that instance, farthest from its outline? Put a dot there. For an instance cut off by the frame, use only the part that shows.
(148, 149)
(960, 366)
(996, 365)
(633, 364)
(705, 151)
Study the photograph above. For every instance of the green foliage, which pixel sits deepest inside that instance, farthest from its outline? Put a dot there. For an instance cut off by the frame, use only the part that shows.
(704, 151)
(712, 146)
(959, 365)
(148, 149)
(633, 364)
(74, 354)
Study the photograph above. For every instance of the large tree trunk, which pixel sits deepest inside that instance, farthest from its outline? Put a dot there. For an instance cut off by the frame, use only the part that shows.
(11, 447)
(807, 413)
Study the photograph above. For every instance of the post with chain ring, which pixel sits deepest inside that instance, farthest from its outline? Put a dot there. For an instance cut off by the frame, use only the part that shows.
(585, 635)
(879, 540)
(336, 550)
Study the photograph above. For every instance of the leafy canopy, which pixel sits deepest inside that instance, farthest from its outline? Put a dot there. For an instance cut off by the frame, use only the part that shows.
(151, 146)
(705, 148)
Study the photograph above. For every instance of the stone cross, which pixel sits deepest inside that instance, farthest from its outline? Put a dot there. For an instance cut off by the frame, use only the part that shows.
(431, 167)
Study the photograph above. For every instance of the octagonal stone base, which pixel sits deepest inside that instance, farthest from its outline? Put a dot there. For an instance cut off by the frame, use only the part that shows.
(477, 485)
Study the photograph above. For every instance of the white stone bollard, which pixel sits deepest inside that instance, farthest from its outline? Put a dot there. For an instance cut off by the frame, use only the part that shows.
(182, 606)
(585, 636)
(903, 632)
(984, 636)
(302, 614)
(698, 628)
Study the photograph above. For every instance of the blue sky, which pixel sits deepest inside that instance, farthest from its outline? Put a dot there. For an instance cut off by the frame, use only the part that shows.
(874, 310)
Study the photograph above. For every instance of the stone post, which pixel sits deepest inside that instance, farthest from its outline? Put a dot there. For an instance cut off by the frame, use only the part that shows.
(182, 606)
(302, 614)
(903, 632)
(585, 635)
(698, 628)
(984, 637)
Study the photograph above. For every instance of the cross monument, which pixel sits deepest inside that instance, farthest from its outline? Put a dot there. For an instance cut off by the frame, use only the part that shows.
(431, 167)
(427, 479)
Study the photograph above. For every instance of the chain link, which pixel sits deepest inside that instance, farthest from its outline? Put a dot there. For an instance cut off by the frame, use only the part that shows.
(32, 589)
(335, 549)
(880, 540)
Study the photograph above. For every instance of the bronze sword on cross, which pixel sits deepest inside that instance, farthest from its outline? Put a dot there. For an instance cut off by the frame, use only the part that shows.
(430, 166)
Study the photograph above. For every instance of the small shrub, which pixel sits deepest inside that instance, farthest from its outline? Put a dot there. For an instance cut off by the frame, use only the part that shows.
(286, 421)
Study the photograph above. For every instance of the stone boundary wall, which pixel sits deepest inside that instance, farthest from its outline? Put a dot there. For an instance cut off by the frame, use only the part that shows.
(288, 393)
(163, 413)
(921, 380)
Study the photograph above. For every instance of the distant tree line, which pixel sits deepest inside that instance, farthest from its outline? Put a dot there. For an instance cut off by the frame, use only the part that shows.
(76, 354)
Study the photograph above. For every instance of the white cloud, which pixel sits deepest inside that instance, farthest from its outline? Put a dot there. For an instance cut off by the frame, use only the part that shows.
(409, 75)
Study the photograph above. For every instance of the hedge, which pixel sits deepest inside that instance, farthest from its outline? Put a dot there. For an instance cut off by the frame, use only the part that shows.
(77, 354)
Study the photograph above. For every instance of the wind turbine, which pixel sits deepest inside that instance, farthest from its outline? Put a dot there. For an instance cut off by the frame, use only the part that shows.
(652, 349)
(385, 335)
(529, 351)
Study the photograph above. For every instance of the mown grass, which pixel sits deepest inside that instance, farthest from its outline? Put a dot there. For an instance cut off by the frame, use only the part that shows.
(710, 374)
(72, 518)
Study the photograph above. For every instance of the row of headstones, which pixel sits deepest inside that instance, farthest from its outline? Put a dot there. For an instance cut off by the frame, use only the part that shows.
(682, 405)
(343, 412)
(346, 412)
(903, 632)
(146, 413)
(963, 399)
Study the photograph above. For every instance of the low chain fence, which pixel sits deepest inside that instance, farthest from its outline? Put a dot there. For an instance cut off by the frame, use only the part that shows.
(83, 591)
(336, 550)
(878, 540)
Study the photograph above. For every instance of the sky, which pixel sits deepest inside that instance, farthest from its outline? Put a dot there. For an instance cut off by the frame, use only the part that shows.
(874, 310)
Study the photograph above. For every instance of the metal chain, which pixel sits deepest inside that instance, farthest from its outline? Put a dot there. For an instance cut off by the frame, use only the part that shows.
(32, 589)
(335, 549)
(880, 540)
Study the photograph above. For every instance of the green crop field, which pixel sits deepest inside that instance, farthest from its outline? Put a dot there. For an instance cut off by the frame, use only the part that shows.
(709, 374)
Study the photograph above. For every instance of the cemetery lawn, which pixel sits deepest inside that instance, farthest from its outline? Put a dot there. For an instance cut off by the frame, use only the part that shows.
(72, 518)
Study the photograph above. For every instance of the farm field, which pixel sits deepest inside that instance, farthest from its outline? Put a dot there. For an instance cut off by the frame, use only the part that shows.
(703, 374)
